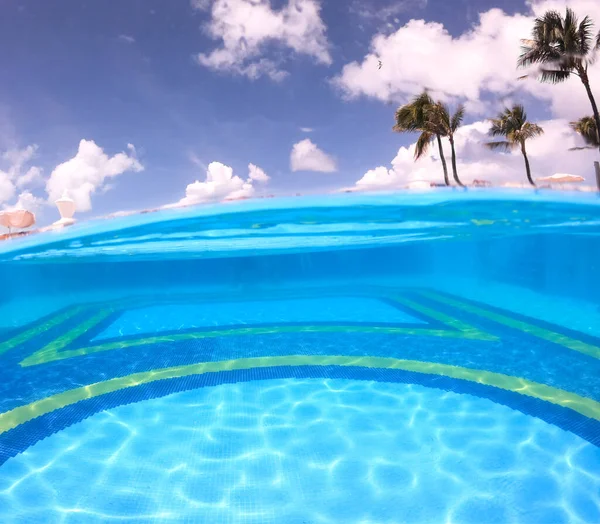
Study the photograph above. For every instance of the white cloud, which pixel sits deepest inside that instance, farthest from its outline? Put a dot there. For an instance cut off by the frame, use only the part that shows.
(221, 184)
(548, 154)
(423, 54)
(256, 173)
(380, 178)
(32, 176)
(127, 39)
(7, 187)
(247, 27)
(306, 129)
(17, 174)
(90, 170)
(384, 12)
(480, 61)
(306, 156)
(197, 161)
(28, 201)
(19, 157)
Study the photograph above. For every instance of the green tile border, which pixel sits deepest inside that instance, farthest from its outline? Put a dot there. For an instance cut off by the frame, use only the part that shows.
(40, 328)
(56, 350)
(465, 329)
(582, 405)
(526, 327)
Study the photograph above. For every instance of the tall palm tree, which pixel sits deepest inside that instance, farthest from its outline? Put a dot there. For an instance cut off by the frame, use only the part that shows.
(447, 124)
(415, 117)
(586, 127)
(564, 47)
(513, 125)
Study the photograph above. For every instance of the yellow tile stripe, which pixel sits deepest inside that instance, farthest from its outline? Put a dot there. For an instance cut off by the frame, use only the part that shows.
(467, 330)
(585, 406)
(530, 329)
(39, 329)
(54, 350)
(49, 352)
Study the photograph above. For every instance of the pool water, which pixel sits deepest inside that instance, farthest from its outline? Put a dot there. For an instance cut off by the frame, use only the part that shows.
(409, 358)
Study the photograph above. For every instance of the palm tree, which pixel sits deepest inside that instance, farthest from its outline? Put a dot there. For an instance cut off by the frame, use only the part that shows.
(446, 125)
(586, 127)
(415, 117)
(564, 47)
(513, 125)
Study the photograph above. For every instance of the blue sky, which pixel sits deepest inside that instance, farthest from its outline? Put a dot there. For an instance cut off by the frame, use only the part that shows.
(127, 72)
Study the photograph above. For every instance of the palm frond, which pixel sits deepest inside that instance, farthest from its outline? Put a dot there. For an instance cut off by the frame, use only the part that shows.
(457, 118)
(597, 46)
(529, 130)
(537, 53)
(585, 35)
(410, 117)
(513, 125)
(423, 143)
(518, 113)
(586, 127)
(498, 127)
(554, 76)
(569, 33)
(529, 55)
(503, 146)
(581, 148)
(547, 28)
(439, 118)
(563, 44)
(405, 119)
(424, 99)
(551, 20)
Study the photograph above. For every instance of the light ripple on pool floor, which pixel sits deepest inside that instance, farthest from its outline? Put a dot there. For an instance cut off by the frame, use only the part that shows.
(310, 451)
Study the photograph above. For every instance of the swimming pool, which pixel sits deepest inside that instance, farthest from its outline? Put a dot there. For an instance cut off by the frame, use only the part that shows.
(402, 358)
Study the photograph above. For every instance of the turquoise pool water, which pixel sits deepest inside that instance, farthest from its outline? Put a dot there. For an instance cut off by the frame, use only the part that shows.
(364, 359)
(157, 319)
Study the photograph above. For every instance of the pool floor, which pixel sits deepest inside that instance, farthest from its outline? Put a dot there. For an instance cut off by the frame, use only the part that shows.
(362, 405)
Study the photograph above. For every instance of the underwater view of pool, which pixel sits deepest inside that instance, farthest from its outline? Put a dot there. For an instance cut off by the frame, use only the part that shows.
(398, 358)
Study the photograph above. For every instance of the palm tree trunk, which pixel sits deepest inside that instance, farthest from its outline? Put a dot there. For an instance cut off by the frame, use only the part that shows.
(454, 170)
(586, 83)
(527, 167)
(443, 158)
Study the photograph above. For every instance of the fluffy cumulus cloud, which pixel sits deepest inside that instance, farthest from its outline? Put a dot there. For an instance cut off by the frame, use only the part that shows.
(477, 162)
(246, 28)
(91, 170)
(221, 184)
(473, 66)
(27, 200)
(306, 156)
(16, 171)
(256, 173)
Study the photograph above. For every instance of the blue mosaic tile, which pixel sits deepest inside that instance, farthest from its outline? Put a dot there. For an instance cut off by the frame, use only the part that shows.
(20, 438)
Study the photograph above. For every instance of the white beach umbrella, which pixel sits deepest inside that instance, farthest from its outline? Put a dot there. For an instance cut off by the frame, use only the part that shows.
(19, 218)
(562, 178)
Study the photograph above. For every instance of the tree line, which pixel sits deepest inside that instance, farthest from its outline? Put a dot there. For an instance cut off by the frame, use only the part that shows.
(562, 47)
